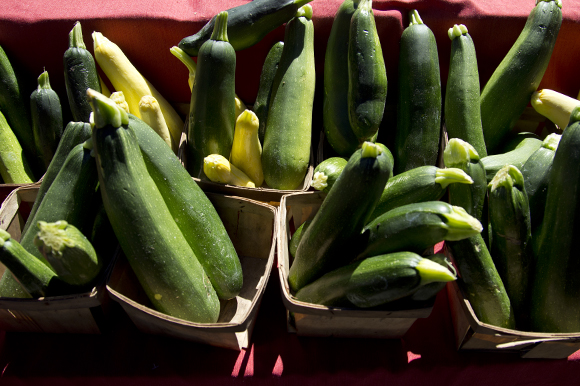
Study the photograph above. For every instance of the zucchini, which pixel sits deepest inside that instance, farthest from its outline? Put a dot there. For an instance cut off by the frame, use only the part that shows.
(556, 284)
(516, 157)
(212, 114)
(374, 281)
(335, 115)
(246, 152)
(554, 105)
(429, 291)
(47, 122)
(326, 173)
(206, 232)
(509, 89)
(287, 141)
(80, 73)
(262, 103)
(157, 251)
(419, 101)
(297, 236)
(420, 184)
(14, 167)
(416, 227)
(247, 23)
(511, 238)
(367, 75)
(330, 239)
(461, 109)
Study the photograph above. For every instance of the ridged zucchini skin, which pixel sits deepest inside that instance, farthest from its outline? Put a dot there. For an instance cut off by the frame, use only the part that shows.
(481, 282)
(247, 23)
(461, 108)
(193, 212)
(328, 243)
(287, 141)
(262, 103)
(516, 157)
(367, 75)
(556, 285)
(326, 173)
(212, 115)
(335, 117)
(419, 104)
(80, 73)
(509, 89)
(14, 167)
(511, 238)
(74, 134)
(157, 251)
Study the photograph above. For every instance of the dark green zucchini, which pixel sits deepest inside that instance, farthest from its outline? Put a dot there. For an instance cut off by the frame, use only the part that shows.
(287, 141)
(511, 238)
(337, 129)
(80, 73)
(328, 242)
(326, 173)
(367, 75)
(516, 157)
(374, 281)
(556, 284)
(247, 23)
(461, 109)
(509, 89)
(420, 102)
(212, 115)
(297, 236)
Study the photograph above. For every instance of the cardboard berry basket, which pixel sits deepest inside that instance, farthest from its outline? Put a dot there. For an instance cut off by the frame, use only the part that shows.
(309, 319)
(252, 227)
(84, 313)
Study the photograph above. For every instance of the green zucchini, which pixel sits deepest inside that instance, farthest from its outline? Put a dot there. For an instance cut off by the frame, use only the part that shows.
(287, 141)
(247, 23)
(326, 173)
(11, 288)
(556, 284)
(47, 123)
(517, 157)
(509, 89)
(335, 115)
(297, 236)
(80, 73)
(420, 102)
(329, 240)
(461, 109)
(212, 115)
(430, 290)
(69, 252)
(420, 184)
(193, 212)
(14, 167)
(74, 134)
(480, 282)
(416, 227)
(157, 251)
(374, 281)
(367, 75)
(262, 103)
(536, 171)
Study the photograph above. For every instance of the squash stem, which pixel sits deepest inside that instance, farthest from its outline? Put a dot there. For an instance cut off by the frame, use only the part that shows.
(305, 11)
(446, 176)
(414, 17)
(459, 153)
(105, 111)
(43, 81)
(75, 37)
(461, 224)
(220, 29)
(430, 272)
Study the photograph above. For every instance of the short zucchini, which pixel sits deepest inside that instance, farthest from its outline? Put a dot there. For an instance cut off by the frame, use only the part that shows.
(326, 173)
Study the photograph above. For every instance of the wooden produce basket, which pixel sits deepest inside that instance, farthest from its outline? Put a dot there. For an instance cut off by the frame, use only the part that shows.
(252, 227)
(309, 319)
(84, 313)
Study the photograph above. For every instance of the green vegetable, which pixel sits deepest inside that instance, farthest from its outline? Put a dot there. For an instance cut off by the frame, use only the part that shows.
(516, 157)
(14, 167)
(326, 173)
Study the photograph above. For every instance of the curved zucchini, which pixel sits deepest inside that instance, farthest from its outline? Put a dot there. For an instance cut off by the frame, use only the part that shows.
(14, 167)
(212, 115)
(462, 112)
(516, 157)
(510, 87)
(287, 141)
(419, 105)
(367, 75)
(247, 23)
(262, 103)
(326, 173)
(328, 242)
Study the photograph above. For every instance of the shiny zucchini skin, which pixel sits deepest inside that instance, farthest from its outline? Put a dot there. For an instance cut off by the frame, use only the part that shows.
(556, 285)
(193, 212)
(247, 23)
(419, 104)
(337, 129)
(287, 141)
(509, 89)
(367, 75)
(328, 243)
(328, 171)
(516, 157)
(212, 115)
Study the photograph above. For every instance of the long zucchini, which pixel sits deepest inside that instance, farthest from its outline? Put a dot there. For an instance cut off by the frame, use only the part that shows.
(14, 167)
(262, 103)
